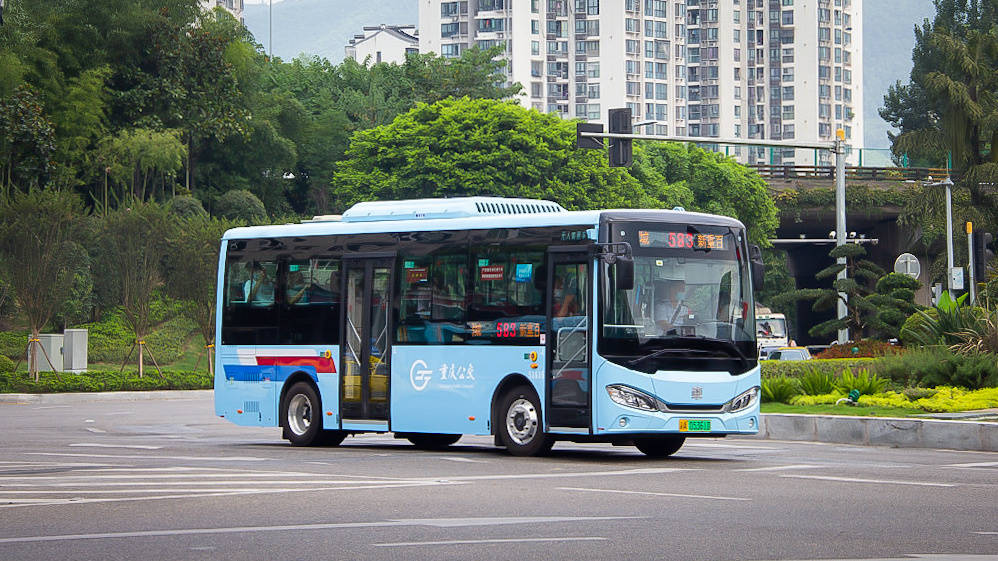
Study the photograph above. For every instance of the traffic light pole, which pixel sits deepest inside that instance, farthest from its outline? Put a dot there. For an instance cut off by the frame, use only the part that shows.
(970, 263)
(840, 229)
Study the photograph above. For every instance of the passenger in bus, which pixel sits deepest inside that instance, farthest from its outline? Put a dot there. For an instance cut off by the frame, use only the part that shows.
(669, 307)
(564, 303)
(297, 288)
(259, 289)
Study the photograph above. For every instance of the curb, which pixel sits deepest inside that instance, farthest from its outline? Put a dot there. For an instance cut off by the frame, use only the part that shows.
(880, 431)
(64, 398)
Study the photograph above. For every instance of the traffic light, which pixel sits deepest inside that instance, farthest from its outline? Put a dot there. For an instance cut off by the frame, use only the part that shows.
(983, 255)
(620, 148)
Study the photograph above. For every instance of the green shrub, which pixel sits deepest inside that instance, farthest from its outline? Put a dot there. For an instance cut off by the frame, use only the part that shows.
(240, 204)
(6, 364)
(780, 389)
(938, 366)
(913, 394)
(866, 383)
(816, 382)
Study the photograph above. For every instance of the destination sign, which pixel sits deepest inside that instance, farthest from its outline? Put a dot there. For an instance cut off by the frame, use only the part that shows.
(682, 240)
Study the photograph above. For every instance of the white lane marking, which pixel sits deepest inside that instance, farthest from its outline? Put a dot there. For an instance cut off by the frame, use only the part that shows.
(149, 476)
(460, 459)
(496, 540)
(987, 533)
(225, 493)
(92, 429)
(96, 445)
(655, 494)
(147, 457)
(53, 407)
(498, 477)
(89, 421)
(781, 468)
(973, 465)
(857, 480)
(719, 445)
(442, 523)
(233, 479)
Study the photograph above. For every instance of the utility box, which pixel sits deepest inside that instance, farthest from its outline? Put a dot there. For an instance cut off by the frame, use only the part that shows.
(52, 344)
(74, 350)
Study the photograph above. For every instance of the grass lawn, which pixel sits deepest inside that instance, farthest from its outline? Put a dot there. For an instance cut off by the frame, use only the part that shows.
(856, 411)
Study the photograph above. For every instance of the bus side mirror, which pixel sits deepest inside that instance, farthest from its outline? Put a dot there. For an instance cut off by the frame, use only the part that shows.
(623, 272)
(758, 270)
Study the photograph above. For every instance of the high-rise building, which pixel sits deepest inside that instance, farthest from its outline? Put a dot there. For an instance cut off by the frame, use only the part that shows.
(383, 43)
(724, 69)
(235, 7)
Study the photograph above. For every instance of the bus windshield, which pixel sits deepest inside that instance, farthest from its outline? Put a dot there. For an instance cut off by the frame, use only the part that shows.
(691, 304)
(771, 327)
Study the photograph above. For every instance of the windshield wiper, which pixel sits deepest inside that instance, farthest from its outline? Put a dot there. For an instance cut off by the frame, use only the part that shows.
(661, 352)
(729, 347)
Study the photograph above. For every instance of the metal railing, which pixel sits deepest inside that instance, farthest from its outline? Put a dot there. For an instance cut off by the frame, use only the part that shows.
(853, 173)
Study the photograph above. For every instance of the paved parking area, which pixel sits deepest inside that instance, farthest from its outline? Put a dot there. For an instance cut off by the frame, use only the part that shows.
(165, 479)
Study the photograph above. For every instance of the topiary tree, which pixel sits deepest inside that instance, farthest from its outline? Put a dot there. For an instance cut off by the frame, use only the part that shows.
(895, 302)
(860, 273)
(240, 204)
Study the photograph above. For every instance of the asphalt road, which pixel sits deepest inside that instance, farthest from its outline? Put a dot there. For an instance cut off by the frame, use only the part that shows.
(165, 479)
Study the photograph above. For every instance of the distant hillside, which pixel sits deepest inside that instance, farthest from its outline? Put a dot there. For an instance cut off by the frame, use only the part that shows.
(888, 37)
(322, 27)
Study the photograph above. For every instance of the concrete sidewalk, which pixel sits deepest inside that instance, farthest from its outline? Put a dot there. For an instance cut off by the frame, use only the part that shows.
(910, 432)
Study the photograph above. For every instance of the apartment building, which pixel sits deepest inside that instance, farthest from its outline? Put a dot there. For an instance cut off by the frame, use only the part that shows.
(722, 69)
(235, 7)
(383, 43)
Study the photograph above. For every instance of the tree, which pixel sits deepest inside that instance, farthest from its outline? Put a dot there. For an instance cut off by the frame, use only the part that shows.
(191, 271)
(36, 236)
(463, 147)
(132, 243)
(27, 140)
(949, 104)
(242, 205)
(477, 73)
(861, 312)
(707, 182)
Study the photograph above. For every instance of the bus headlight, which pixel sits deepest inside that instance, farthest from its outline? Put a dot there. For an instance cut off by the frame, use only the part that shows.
(630, 397)
(743, 401)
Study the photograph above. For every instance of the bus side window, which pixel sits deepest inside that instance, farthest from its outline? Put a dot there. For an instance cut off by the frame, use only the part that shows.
(310, 313)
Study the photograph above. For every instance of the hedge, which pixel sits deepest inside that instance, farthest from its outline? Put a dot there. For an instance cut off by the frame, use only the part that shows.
(104, 381)
(797, 368)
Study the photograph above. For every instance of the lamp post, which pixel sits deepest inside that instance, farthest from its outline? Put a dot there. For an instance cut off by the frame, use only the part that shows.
(840, 223)
(948, 184)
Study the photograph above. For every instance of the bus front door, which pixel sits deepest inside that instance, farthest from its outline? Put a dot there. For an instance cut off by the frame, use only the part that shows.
(365, 350)
(568, 374)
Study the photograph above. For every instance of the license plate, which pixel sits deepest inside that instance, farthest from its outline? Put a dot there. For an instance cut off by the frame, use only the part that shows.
(694, 425)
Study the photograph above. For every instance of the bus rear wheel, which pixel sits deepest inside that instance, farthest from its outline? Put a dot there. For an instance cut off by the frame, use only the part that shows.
(301, 416)
(520, 425)
(432, 441)
(659, 446)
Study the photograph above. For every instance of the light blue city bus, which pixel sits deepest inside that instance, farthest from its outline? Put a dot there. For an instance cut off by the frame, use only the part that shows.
(437, 318)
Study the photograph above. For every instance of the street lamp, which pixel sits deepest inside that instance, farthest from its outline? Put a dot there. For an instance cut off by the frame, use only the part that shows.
(948, 183)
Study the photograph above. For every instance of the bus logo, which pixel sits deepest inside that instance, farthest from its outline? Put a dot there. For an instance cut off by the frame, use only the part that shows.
(419, 375)
(696, 392)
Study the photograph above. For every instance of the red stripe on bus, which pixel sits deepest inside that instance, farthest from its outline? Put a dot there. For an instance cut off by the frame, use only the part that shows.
(322, 364)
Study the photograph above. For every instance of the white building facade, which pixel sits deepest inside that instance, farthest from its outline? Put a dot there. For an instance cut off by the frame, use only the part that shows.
(383, 43)
(748, 69)
(235, 7)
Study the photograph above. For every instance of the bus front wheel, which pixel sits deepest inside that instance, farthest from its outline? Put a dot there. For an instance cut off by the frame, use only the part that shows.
(659, 446)
(301, 415)
(520, 425)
